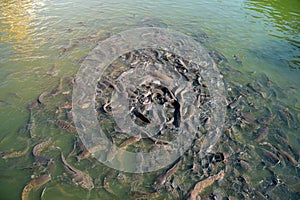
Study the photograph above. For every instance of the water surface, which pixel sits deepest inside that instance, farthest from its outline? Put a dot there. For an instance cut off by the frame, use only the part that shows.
(43, 41)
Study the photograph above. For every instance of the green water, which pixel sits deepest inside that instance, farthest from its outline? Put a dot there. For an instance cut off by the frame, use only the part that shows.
(39, 37)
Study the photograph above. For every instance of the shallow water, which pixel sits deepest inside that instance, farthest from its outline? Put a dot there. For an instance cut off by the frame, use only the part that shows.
(43, 41)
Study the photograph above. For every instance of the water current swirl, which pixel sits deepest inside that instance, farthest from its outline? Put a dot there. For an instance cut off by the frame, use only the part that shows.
(161, 90)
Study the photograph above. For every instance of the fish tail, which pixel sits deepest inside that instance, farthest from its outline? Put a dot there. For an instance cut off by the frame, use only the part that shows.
(26, 191)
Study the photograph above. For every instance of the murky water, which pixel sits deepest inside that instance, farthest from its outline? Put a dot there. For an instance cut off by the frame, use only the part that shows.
(43, 42)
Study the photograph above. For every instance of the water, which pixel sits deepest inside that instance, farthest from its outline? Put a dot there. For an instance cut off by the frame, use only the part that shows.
(43, 41)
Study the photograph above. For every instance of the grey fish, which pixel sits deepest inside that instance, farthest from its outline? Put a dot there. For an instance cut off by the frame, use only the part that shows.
(5, 102)
(40, 98)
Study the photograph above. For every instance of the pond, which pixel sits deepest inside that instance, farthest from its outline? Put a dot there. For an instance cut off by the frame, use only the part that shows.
(240, 101)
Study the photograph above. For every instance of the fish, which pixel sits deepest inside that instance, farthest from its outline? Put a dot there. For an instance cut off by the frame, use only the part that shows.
(5, 102)
(259, 195)
(271, 156)
(45, 161)
(81, 178)
(198, 101)
(245, 165)
(37, 149)
(116, 87)
(234, 103)
(107, 187)
(177, 114)
(66, 126)
(15, 154)
(248, 117)
(70, 80)
(30, 125)
(35, 183)
(207, 122)
(43, 193)
(107, 109)
(111, 153)
(32, 105)
(162, 178)
(155, 140)
(283, 141)
(190, 112)
(201, 185)
(53, 71)
(182, 63)
(217, 57)
(141, 116)
(264, 120)
(130, 141)
(84, 154)
(70, 116)
(72, 45)
(161, 76)
(237, 59)
(40, 98)
(65, 106)
(290, 158)
(262, 133)
(58, 89)
(144, 195)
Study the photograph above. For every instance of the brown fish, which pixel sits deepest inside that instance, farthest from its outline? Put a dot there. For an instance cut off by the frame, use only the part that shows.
(86, 153)
(161, 76)
(37, 149)
(201, 185)
(271, 156)
(83, 155)
(234, 103)
(32, 105)
(130, 141)
(12, 154)
(65, 106)
(79, 177)
(262, 133)
(144, 195)
(248, 117)
(259, 195)
(15, 154)
(107, 187)
(162, 178)
(66, 126)
(155, 140)
(35, 183)
(290, 158)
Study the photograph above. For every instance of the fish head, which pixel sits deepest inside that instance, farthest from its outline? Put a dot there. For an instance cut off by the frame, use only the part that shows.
(88, 184)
